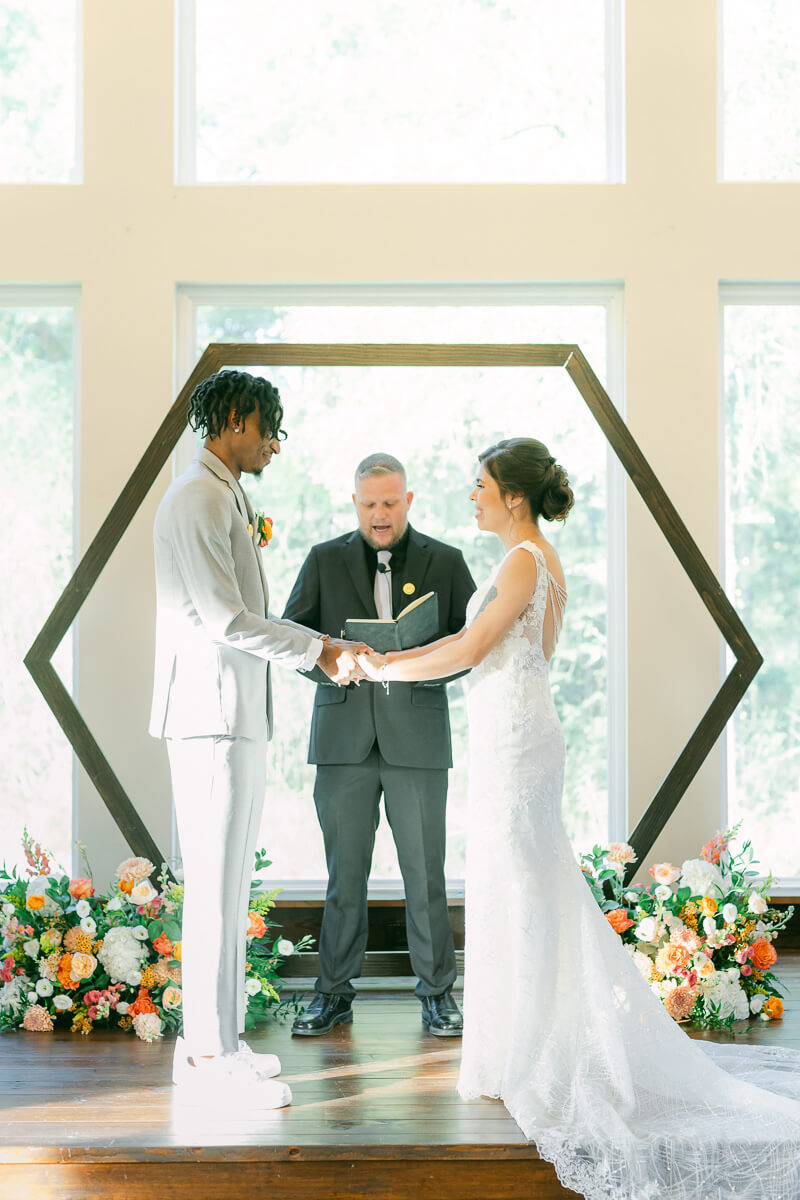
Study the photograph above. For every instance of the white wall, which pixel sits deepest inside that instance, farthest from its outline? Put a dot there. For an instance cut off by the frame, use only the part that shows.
(128, 235)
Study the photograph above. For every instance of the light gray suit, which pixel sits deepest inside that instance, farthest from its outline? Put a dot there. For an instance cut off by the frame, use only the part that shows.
(215, 638)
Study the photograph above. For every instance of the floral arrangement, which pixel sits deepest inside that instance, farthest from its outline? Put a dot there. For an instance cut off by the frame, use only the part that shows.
(72, 958)
(701, 934)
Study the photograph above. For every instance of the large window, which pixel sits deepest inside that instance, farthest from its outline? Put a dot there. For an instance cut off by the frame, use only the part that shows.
(759, 108)
(420, 91)
(39, 91)
(37, 394)
(761, 377)
(436, 421)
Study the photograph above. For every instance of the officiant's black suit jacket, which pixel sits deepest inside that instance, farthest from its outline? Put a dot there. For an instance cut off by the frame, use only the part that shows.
(410, 721)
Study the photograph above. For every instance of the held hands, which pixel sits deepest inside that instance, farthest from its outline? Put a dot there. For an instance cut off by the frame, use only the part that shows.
(371, 664)
(339, 660)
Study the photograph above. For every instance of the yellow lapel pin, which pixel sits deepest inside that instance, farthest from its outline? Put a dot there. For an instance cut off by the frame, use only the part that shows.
(250, 530)
(409, 589)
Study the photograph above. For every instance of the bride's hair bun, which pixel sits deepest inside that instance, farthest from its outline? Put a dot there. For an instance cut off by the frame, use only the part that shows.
(525, 467)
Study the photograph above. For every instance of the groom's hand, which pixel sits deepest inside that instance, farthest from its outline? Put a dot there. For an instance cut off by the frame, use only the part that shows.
(339, 660)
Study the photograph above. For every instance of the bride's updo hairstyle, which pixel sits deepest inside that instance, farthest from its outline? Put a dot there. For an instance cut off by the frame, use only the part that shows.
(525, 467)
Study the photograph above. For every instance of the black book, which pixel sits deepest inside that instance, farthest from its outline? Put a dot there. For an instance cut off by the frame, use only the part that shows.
(415, 625)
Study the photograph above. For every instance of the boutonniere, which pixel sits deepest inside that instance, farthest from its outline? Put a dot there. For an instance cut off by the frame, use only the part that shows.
(263, 530)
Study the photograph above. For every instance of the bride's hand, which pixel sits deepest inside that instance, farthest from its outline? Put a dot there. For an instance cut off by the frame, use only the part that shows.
(371, 663)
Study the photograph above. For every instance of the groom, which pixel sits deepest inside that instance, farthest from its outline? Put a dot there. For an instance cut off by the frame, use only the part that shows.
(367, 741)
(215, 640)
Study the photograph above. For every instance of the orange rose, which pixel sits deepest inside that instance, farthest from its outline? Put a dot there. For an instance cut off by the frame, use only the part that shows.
(65, 972)
(618, 920)
(764, 954)
(162, 945)
(257, 927)
(177, 950)
(671, 958)
(774, 1008)
(81, 888)
(34, 903)
(708, 906)
(171, 997)
(142, 1003)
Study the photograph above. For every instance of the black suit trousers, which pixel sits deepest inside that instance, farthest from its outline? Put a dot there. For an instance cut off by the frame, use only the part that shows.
(347, 797)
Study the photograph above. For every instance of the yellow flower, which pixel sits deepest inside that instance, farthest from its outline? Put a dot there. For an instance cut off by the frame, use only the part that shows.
(34, 903)
(708, 906)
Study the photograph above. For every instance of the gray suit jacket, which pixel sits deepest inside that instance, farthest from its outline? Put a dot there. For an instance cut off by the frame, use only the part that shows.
(215, 635)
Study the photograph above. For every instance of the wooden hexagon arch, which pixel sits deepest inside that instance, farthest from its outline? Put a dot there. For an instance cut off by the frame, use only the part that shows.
(569, 357)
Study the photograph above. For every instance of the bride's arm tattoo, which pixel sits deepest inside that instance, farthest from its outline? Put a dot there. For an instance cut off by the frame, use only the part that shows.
(487, 599)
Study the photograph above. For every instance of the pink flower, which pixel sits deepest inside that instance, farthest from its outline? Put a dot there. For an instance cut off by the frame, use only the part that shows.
(7, 971)
(746, 969)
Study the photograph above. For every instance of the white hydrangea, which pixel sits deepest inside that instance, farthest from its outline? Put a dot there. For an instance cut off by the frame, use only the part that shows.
(703, 878)
(724, 990)
(121, 954)
(13, 995)
(31, 948)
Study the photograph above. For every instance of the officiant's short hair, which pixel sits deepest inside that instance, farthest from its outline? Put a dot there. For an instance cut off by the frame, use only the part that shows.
(380, 464)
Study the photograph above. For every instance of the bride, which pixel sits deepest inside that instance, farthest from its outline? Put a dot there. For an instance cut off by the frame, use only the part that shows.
(585, 1058)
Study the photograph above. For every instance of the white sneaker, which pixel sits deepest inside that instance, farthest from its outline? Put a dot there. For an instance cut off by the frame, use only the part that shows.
(228, 1079)
(267, 1065)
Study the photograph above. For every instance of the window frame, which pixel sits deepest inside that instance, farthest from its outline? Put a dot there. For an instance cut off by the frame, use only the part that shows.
(185, 125)
(609, 295)
(736, 294)
(47, 295)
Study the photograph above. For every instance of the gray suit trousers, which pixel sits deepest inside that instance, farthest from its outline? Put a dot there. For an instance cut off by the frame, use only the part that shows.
(347, 797)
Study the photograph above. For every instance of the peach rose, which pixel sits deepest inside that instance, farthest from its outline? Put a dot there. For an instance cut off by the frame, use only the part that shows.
(618, 920)
(687, 938)
(34, 903)
(774, 1008)
(708, 906)
(171, 997)
(664, 872)
(81, 889)
(83, 966)
(671, 958)
(162, 945)
(143, 892)
(257, 927)
(764, 954)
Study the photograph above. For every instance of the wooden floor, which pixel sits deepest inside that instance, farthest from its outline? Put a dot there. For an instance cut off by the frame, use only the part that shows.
(375, 1113)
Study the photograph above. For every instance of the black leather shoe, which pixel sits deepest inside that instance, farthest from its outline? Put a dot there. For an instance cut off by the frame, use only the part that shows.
(323, 1013)
(441, 1016)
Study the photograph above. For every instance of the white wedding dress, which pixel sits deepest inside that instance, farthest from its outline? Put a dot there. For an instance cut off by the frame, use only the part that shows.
(558, 1022)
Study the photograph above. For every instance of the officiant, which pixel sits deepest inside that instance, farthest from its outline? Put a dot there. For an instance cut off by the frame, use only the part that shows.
(368, 742)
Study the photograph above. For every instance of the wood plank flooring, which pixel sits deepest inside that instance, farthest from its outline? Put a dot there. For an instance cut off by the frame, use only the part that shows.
(375, 1110)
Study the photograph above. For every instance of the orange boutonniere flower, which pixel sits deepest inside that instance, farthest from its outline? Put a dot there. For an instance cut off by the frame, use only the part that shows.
(263, 530)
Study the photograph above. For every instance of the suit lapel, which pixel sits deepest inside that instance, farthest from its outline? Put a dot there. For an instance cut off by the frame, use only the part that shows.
(218, 468)
(418, 559)
(357, 566)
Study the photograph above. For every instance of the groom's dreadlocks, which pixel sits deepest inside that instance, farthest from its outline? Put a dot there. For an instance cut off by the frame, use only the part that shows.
(213, 400)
